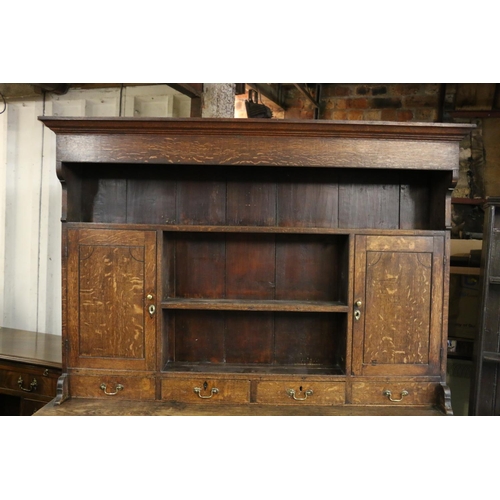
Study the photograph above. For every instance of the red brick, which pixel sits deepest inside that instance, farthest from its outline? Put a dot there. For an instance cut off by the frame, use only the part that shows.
(326, 114)
(371, 90)
(360, 103)
(390, 115)
(341, 104)
(339, 115)
(355, 115)
(329, 104)
(402, 89)
(342, 91)
(404, 115)
(373, 114)
(335, 90)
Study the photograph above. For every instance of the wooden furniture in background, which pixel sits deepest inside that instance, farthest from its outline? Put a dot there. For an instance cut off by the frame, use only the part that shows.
(30, 365)
(485, 387)
(241, 264)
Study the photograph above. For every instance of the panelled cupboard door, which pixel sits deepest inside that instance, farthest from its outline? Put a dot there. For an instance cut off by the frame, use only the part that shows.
(111, 299)
(398, 303)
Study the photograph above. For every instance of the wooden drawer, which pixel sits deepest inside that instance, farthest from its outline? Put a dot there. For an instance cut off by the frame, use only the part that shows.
(200, 390)
(409, 393)
(28, 382)
(112, 386)
(280, 392)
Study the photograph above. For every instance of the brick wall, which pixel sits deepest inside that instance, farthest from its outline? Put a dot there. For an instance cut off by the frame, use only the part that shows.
(373, 102)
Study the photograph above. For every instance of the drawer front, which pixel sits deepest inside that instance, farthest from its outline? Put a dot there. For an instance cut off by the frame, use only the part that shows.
(27, 382)
(301, 392)
(112, 387)
(200, 390)
(394, 393)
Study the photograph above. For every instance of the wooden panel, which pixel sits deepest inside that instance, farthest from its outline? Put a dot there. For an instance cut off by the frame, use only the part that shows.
(323, 393)
(372, 393)
(222, 337)
(110, 273)
(199, 266)
(249, 337)
(478, 96)
(400, 244)
(199, 336)
(415, 208)
(306, 339)
(227, 144)
(30, 347)
(89, 407)
(151, 201)
(306, 268)
(228, 391)
(397, 308)
(250, 266)
(399, 283)
(134, 388)
(309, 199)
(110, 201)
(368, 200)
(111, 301)
(251, 199)
(201, 199)
(45, 386)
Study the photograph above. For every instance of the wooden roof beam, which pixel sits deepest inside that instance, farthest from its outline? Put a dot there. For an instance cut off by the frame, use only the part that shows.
(189, 89)
(270, 91)
(304, 90)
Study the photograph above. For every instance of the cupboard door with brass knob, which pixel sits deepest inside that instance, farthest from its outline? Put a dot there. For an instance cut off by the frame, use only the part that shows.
(398, 305)
(111, 299)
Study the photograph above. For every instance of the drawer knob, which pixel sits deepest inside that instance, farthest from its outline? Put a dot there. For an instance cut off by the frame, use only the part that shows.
(197, 390)
(291, 393)
(32, 388)
(404, 393)
(119, 387)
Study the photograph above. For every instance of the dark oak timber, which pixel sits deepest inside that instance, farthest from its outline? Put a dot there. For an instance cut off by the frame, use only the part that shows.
(30, 364)
(254, 267)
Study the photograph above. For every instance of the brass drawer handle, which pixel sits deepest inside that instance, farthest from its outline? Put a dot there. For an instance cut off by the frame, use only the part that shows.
(119, 387)
(33, 385)
(197, 390)
(387, 393)
(291, 393)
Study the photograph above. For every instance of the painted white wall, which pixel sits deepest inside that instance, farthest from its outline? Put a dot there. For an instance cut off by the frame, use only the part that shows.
(30, 194)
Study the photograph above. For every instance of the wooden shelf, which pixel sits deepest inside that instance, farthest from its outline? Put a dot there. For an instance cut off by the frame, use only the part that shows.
(254, 305)
(464, 270)
(253, 368)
